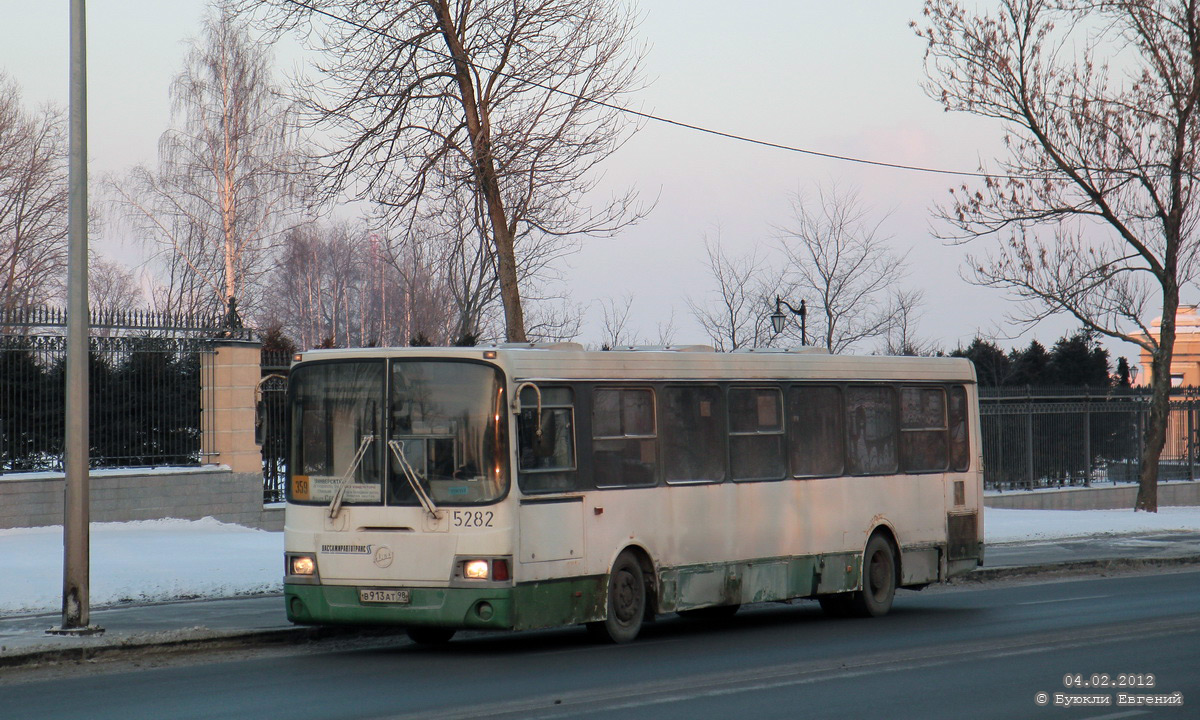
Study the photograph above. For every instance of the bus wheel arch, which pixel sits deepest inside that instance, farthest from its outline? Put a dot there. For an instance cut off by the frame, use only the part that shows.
(631, 597)
(888, 532)
(880, 575)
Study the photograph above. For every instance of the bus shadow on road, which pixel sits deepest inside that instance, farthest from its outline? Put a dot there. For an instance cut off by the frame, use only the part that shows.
(802, 621)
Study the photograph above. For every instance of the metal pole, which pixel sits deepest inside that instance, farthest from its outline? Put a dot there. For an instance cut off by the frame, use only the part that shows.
(1087, 440)
(76, 561)
(1190, 410)
(1029, 439)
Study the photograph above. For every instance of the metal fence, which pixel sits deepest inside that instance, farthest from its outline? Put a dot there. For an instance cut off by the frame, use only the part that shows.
(1062, 437)
(144, 401)
(271, 423)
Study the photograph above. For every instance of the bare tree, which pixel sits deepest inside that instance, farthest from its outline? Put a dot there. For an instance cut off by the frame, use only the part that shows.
(112, 287)
(510, 102)
(615, 331)
(839, 257)
(222, 190)
(666, 330)
(615, 322)
(736, 315)
(901, 337)
(33, 201)
(335, 285)
(1095, 210)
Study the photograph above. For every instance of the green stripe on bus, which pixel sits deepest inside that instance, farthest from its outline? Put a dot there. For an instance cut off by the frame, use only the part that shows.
(481, 608)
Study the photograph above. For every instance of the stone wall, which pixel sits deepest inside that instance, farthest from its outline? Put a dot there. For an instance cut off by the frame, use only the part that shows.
(36, 499)
(1111, 497)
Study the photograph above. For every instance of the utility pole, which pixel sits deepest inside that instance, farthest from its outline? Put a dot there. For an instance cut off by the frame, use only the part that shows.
(76, 510)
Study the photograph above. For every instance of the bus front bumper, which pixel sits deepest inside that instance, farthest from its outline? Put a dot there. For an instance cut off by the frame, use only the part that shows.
(481, 608)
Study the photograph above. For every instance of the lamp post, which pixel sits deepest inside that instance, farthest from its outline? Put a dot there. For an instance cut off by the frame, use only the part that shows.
(778, 318)
(76, 596)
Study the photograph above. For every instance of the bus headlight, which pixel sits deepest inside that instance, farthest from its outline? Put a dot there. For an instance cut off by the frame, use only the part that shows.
(476, 570)
(302, 565)
(472, 571)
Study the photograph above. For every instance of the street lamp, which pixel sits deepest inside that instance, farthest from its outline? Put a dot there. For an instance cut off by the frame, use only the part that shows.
(778, 318)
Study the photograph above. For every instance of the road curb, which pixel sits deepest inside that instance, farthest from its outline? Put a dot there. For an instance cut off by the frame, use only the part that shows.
(985, 574)
(202, 641)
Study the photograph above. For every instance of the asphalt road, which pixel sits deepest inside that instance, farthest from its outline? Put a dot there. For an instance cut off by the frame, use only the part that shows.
(976, 651)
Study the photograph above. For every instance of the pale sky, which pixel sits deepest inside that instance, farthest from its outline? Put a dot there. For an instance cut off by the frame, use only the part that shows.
(837, 77)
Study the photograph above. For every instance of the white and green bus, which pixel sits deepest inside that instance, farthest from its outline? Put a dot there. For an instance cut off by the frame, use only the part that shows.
(509, 488)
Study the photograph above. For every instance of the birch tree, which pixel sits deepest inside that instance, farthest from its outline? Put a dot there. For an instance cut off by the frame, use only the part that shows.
(223, 188)
(1093, 211)
(508, 101)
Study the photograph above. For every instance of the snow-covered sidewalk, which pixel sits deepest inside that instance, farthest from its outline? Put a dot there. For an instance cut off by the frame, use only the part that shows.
(142, 561)
(174, 559)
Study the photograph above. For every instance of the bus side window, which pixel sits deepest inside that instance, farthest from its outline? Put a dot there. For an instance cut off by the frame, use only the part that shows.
(624, 437)
(756, 434)
(816, 434)
(547, 459)
(923, 444)
(960, 448)
(870, 430)
(693, 434)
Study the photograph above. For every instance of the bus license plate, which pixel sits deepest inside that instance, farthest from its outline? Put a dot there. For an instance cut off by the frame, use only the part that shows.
(383, 595)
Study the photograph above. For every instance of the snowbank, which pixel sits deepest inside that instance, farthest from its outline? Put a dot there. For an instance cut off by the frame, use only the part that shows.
(1026, 525)
(144, 561)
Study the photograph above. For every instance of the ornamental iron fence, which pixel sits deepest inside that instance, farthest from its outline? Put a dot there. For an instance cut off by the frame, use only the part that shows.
(1063, 437)
(271, 423)
(145, 400)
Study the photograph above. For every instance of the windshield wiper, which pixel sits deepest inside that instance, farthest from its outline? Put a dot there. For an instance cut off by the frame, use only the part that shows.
(335, 505)
(413, 479)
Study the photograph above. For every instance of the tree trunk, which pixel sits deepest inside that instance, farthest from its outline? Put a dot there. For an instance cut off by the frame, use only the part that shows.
(1160, 406)
(487, 181)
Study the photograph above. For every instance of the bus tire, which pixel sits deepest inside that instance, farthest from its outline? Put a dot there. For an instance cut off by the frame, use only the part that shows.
(626, 602)
(878, 579)
(430, 635)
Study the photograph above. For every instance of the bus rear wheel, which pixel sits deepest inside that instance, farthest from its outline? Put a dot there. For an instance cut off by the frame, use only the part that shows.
(878, 579)
(626, 602)
(430, 635)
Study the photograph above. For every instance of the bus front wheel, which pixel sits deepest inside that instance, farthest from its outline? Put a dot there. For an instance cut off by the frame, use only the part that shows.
(626, 602)
(878, 579)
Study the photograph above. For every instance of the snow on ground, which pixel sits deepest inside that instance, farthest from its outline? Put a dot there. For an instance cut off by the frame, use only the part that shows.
(156, 560)
(1025, 525)
(142, 561)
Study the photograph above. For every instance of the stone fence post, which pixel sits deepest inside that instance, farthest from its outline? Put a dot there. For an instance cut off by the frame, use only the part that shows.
(228, 378)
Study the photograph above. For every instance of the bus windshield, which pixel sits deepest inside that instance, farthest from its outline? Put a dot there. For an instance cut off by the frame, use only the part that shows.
(447, 418)
(351, 419)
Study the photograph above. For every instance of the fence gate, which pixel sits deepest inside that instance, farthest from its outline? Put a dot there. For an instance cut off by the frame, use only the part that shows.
(271, 423)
